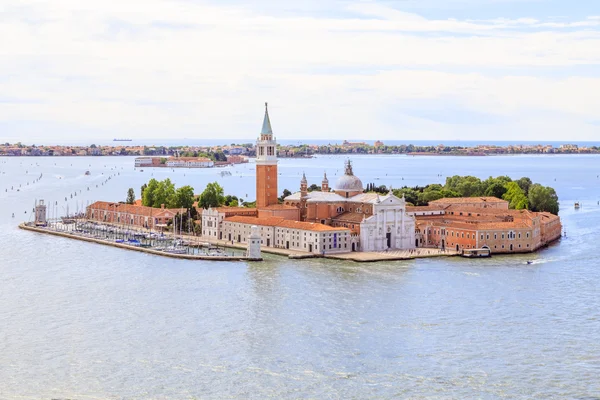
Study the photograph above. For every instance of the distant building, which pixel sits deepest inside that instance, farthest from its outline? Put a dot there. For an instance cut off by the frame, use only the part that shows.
(185, 162)
(237, 159)
(134, 215)
(174, 162)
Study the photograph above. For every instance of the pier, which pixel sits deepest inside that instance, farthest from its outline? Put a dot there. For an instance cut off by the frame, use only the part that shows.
(160, 245)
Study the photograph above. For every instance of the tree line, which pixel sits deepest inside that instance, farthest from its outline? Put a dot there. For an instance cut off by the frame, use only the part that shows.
(158, 193)
(520, 194)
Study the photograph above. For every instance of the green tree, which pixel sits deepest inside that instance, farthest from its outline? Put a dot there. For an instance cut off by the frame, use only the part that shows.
(184, 197)
(285, 194)
(148, 196)
(543, 198)
(465, 186)
(231, 201)
(130, 196)
(515, 196)
(314, 188)
(496, 189)
(430, 195)
(524, 183)
(212, 196)
(410, 195)
(164, 194)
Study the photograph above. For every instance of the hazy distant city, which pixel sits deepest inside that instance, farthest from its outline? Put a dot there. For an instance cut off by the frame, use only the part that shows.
(221, 152)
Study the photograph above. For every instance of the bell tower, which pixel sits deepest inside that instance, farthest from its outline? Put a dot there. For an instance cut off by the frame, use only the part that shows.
(266, 165)
(325, 183)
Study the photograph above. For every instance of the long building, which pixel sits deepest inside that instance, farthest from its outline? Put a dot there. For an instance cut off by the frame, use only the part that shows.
(174, 162)
(278, 232)
(130, 214)
(497, 228)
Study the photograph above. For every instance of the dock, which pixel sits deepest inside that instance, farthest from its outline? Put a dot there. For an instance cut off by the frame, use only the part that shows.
(126, 246)
(393, 255)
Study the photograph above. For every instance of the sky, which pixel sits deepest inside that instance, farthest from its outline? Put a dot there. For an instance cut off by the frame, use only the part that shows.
(330, 69)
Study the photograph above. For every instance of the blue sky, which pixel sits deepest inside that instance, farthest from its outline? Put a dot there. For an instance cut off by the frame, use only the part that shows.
(380, 69)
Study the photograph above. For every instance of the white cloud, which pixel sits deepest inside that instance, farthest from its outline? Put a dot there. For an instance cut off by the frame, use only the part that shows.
(158, 68)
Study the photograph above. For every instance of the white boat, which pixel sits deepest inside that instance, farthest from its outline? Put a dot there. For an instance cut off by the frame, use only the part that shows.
(175, 250)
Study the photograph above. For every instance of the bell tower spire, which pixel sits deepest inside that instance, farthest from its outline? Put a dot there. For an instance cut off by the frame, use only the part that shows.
(266, 127)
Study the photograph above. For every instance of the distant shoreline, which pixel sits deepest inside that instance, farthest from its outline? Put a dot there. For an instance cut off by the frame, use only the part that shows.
(298, 150)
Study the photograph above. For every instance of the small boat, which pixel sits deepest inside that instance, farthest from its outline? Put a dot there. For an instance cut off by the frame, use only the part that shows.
(87, 173)
(577, 205)
(529, 262)
(175, 250)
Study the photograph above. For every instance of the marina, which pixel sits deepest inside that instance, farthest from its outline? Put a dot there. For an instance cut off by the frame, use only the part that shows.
(138, 240)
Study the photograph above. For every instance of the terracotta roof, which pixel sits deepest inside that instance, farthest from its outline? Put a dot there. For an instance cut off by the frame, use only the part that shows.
(310, 226)
(226, 210)
(266, 221)
(350, 217)
(462, 200)
(547, 215)
(282, 223)
(432, 207)
(279, 207)
(133, 209)
(489, 211)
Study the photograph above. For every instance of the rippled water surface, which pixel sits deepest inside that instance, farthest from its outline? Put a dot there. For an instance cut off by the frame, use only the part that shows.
(83, 321)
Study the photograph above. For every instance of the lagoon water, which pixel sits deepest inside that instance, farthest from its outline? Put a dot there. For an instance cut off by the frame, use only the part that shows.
(83, 321)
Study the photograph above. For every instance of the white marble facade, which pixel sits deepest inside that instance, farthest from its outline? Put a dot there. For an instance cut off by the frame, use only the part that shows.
(390, 226)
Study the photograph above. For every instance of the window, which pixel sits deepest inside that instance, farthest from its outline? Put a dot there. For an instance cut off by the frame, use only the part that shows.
(482, 236)
(495, 236)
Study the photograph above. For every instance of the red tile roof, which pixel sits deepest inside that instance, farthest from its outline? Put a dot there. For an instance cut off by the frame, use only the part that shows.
(462, 200)
(133, 209)
(282, 223)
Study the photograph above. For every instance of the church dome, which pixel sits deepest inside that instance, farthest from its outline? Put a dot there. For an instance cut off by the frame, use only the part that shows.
(348, 182)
